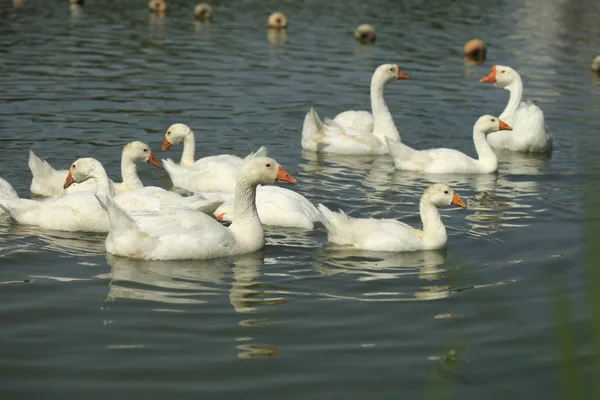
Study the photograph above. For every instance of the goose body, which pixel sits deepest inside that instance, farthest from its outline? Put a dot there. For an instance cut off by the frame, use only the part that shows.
(48, 182)
(77, 211)
(391, 235)
(80, 211)
(448, 160)
(529, 133)
(356, 132)
(209, 174)
(170, 233)
(277, 206)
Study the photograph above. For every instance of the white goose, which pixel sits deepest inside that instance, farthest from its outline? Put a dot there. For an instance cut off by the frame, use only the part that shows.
(49, 182)
(356, 132)
(449, 161)
(277, 206)
(209, 174)
(392, 235)
(80, 211)
(171, 233)
(72, 212)
(527, 120)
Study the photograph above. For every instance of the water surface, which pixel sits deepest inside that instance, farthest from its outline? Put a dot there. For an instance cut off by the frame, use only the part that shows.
(300, 319)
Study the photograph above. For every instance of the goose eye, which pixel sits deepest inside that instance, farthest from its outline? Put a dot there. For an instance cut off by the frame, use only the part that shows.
(268, 165)
(493, 119)
(392, 69)
(168, 133)
(445, 192)
(503, 71)
(73, 166)
(145, 150)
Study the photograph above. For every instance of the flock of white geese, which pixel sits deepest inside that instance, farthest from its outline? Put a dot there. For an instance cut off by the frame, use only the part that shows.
(148, 222)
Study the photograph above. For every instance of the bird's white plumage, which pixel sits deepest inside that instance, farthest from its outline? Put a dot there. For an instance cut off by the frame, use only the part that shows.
(278, 206)
(391, 235)
(355, 132)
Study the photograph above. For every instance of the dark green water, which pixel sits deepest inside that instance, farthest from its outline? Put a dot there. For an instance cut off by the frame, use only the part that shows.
(302, 320)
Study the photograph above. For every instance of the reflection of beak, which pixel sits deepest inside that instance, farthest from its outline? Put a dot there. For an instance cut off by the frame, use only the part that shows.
(457, 201)
(402, 75)
(69, 181)
(284, 177)
(152, 160)
(166, 145)
(504, 126)
(491, 77)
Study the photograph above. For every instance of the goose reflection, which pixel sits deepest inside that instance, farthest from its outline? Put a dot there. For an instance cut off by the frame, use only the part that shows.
(71, 243)
(372, 170)
(192, 282)
(369, 266)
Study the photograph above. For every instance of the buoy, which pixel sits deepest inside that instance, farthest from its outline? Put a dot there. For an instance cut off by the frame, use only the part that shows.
(277, 21)
(364, 34)
(476, 50)
(157, 6)
(203, 12)
(596, 64)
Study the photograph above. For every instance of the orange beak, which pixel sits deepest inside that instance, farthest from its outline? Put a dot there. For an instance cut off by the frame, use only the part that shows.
(491, 77)
(284, 177)
(69, 181)
(504, 126)
(152, 160)
(402, 75)
(457, 201)
(166, 145)
(220, 217)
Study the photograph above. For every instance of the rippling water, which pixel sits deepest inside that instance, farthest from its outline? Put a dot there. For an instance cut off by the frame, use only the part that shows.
(301, 319)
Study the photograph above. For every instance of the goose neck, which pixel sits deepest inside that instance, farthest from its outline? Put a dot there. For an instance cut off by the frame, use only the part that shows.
(246, 224)
(434, 230)
(99, 175)
(189, 148)
(129, 173)
(516, 95)
(383, 123)
(486, 155)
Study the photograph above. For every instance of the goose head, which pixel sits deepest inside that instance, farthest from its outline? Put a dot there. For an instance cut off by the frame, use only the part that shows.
(203, 12)
(157, 6)
(489, 123)
(175, 135)
(264, 171)
(278, 20)
(81, 170)
(501, 76)
(442, 195)
(364, 34)
(140, 152)
(388, 72)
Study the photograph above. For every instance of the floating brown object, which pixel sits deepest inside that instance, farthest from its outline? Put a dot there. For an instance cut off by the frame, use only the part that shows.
(157, 6)
(476, 50)
(76, 2)
(203, 12)
(365, 34)
(278, 20)
(596, 64)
